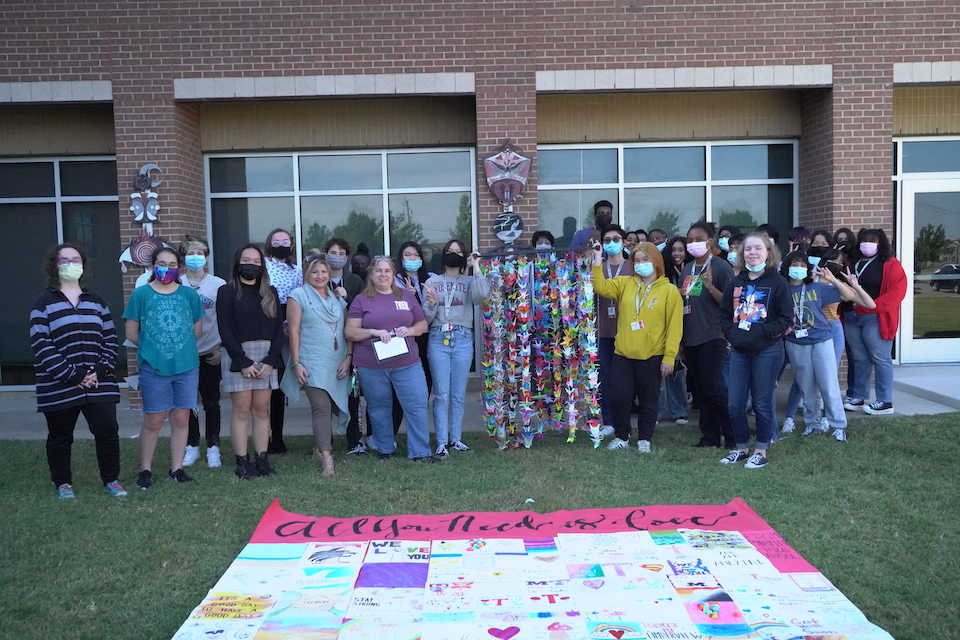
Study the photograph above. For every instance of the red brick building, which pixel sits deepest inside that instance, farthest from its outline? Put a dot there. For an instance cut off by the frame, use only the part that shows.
(371, 119)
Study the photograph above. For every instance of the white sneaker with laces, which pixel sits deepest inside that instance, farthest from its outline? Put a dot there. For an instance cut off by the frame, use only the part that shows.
(643, 446)
(879, 408)
(458, 446)
(840, 435)
(756, 461)
(213, 457)
(441, 451)
(606, 430)
(788, 426)
(191, 455)
(617, 443)
(682, 420)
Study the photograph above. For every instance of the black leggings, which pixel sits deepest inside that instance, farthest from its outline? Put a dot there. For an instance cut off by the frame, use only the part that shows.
(102, 420)
(210, 398)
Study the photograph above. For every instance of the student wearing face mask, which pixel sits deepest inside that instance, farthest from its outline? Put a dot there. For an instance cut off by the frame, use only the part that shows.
(614, 265)
(649, 328)
(163, 320)
(251, 327)
(449, 309)
(724, 235)
(360, 262)
(75, 349)
(673, 394)
(195, 252)
(280, 262)
(659, 238)
(870, 332)
(702, 284)
(602, 217)
(542, 239)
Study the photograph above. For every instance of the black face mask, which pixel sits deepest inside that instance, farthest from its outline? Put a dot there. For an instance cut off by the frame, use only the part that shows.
(281, 253)
(249, 271)
(817, 252)
(603, 221)
(834, 268)
(454, 260)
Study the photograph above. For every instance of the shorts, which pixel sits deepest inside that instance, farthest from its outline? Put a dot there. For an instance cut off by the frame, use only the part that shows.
(163, 393)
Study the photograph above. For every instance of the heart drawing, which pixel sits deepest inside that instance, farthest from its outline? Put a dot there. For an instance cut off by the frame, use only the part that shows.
(504, 634)
(617, 633)
(593, 584)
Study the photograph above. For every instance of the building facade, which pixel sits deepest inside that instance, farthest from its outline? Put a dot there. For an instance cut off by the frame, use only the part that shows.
(371, 120)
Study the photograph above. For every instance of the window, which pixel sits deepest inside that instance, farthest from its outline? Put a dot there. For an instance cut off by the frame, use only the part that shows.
(44, 202)
(381, 198)
(668, 186)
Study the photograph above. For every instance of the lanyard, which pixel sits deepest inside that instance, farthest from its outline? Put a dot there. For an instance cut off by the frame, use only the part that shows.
(449, 299)
(798, 307)
(641, 301)
(695, 276)
(859, 270)
(610, 273)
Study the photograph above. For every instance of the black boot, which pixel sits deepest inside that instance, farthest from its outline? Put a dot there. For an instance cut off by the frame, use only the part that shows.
(245, 470)
(263, 465)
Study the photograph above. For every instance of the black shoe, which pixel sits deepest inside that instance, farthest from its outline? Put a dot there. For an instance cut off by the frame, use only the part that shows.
(277, 446)
(145, 479)
(179, 475)
(245, 470)
(427, 460)
(703, 443)
(385, 456)
(264, 468)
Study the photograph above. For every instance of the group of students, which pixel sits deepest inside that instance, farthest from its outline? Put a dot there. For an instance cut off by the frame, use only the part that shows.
(274, 328)
(722, 306)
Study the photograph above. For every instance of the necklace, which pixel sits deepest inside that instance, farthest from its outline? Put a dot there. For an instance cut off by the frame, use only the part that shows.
(196, 286)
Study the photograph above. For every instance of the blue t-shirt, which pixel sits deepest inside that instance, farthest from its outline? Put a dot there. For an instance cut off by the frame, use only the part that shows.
(808, 312)
(166, 340)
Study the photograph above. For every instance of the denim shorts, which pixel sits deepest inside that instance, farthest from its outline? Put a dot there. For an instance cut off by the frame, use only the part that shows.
(163, 393)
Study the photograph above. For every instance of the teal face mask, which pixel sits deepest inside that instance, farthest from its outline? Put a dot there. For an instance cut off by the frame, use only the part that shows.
(195, 262)
(724, 243)
(412, 265)
(757, 269)
(613, 247)
(732, 257)
(644, 269)
(798, 273)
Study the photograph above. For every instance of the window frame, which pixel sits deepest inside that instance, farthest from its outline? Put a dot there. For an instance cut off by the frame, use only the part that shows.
(384, 191)
(621, 186)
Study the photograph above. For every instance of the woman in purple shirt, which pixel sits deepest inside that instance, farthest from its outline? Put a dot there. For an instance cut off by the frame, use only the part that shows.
(381, 313)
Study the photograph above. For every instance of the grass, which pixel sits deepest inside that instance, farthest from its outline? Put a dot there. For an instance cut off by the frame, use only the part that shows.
(936, 317)
(879, 516)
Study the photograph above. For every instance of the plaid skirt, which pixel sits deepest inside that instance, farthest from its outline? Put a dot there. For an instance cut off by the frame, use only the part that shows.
(256, 350)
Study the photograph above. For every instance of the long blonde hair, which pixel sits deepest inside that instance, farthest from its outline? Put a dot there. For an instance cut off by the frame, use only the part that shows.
(371, 289)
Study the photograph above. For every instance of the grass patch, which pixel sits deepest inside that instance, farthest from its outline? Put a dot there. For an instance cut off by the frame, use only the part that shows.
(879, 516)
(936, 317)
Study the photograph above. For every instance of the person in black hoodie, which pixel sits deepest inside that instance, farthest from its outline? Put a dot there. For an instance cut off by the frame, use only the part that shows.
(756, 312)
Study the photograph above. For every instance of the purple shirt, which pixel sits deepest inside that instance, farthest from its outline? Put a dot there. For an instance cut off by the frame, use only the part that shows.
(385, 312)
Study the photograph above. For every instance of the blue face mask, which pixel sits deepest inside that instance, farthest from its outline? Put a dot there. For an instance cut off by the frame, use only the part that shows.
(195, 262)
(724, 243)
(644, 269)
(412, 265)
(613, 247)
(732, 257)
(813, 260)
(757, 269)
(661, 246)
(798, 273)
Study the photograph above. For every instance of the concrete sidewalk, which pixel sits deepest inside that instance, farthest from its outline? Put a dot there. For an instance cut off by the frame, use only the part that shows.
(918, 390)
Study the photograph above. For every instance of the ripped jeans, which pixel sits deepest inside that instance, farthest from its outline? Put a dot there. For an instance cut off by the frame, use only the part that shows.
(450, 365)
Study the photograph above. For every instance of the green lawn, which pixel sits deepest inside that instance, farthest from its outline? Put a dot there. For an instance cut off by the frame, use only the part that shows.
(937, 317)
(880, 516)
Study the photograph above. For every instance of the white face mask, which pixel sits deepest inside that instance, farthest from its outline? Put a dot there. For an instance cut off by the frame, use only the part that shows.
(724, 243)
(544, 246)
(732, 257)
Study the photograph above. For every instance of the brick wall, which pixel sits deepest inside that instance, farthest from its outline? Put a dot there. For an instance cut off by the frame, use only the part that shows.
(816, 159)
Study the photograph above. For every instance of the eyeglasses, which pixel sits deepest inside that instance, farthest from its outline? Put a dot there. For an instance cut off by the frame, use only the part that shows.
(613, 239)
(281, 243)
(64, 262)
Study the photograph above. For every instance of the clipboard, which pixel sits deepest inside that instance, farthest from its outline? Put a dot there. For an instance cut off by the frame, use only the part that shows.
(396, 348)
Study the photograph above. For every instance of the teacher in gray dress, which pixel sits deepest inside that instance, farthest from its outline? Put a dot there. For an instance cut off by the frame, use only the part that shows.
(320, 356)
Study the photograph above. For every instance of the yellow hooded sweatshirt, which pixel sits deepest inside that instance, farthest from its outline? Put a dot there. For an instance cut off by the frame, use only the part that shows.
(660, 315)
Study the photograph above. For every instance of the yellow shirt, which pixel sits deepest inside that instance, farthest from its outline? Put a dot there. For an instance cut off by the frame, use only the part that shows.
(650, 319)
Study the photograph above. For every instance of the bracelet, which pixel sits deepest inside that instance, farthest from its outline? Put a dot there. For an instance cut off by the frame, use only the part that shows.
(293, 364)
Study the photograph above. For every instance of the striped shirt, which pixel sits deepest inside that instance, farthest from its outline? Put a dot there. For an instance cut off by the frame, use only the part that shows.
(68, 342)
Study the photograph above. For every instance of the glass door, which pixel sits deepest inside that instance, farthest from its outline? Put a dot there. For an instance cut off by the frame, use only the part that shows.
(930, 252)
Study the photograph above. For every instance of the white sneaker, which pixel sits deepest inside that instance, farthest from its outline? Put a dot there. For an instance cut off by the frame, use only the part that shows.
(682, 420)
(191, 455)
(840, 435)
(643, 446)
(456, 445)
(617, 443)
(788, 426)
(441, 451)
(824, 424)
(606, 430)
(213, 457)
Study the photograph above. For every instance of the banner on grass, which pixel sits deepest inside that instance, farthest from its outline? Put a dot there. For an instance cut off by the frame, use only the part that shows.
(657, 572)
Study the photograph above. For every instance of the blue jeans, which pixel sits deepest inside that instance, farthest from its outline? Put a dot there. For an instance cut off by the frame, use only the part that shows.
(871, 355)
(450, 366)
(163, 393)
(796, 396)
(673, 395)
(755, 373)
(411, 387)
(605, 351)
